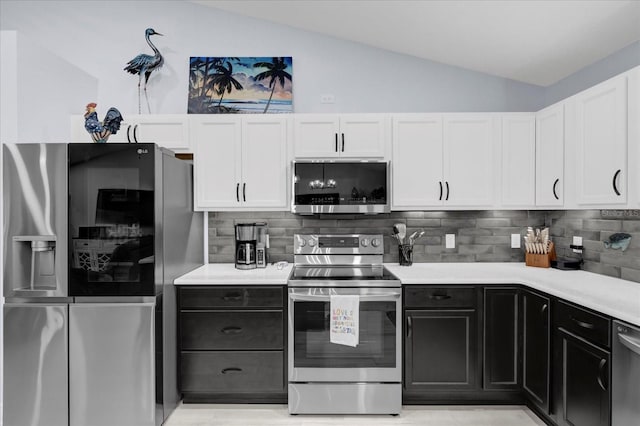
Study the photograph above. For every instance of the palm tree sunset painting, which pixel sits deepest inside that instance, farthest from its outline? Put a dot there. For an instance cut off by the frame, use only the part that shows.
(246, 85)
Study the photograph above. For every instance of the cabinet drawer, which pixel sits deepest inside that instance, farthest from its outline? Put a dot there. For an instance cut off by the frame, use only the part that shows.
(232, 330)
(439, 297)
(230, 371)
(584, 323)
(231, 297)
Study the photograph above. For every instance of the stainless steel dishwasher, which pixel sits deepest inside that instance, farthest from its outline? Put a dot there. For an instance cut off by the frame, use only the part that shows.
(626, 375)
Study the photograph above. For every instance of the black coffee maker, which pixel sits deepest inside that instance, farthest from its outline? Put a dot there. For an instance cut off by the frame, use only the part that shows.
(246, 235)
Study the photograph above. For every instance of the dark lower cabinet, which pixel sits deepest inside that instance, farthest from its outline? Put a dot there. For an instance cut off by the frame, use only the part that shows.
(501, 342)
(583, 368)
(440, 350)
(441, 357)
(233, 344)
(536, 348)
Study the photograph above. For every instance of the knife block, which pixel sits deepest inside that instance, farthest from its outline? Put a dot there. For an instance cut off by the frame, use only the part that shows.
(541, 260)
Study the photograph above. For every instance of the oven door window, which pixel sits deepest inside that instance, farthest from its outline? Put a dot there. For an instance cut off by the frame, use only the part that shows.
(313, 349)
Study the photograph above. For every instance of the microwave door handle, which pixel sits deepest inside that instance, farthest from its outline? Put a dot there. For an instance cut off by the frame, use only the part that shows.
(363, 298)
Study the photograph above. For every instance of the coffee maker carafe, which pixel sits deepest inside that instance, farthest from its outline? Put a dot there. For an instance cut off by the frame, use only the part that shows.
(246, 234)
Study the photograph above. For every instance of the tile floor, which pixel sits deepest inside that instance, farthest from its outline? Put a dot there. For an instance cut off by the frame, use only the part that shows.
(277, 415)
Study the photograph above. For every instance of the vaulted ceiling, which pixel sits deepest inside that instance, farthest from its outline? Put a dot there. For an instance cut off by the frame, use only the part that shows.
(533, 41)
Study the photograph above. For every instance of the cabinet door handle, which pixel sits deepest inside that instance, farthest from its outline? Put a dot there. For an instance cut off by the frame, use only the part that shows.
(232, 330)
(555, 183)
(135, 133)
(603, 362)
(343, 142)
(447, 199)
(231, 370)
(244, 191)
(232, 297)
(583, 324)
(128, 135)
(440, 198)
(409, 326)
(615, 178)
(336, 142)
(544, 308)
(238, 192)
(439, 296)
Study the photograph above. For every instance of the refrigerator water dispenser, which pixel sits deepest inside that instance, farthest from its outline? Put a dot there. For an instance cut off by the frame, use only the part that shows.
(42, 251)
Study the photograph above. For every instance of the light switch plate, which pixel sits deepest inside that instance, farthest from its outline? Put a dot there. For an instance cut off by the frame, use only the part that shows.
(515, 240)
(450, 241)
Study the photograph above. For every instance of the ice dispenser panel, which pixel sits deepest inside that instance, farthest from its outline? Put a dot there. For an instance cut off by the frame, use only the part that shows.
(35, 255)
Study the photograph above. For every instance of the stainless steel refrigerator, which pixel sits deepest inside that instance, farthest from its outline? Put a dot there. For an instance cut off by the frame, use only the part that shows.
(94, 235)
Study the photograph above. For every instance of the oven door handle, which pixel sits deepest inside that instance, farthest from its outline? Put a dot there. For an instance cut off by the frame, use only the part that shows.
(327, 298)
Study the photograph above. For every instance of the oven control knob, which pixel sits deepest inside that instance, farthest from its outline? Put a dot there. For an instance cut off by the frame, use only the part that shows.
(364, 242)
(312, 242)
(302, 242)
(375, 242)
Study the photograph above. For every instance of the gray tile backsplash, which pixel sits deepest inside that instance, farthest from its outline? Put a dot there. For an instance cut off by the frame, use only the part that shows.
(596, 226)
(481, 236)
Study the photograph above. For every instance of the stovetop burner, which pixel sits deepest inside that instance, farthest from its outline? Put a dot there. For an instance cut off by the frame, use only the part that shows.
(340, 261)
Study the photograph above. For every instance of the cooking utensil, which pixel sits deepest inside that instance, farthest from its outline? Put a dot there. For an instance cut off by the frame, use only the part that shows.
(401, 231)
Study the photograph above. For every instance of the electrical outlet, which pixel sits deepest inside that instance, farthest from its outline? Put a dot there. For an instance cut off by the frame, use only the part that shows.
(515, 240)
(450, 241)
(327, 99)
(577, 241)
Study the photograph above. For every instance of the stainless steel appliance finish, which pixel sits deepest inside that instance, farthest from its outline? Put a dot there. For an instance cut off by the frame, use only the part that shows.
(345, 398)
(35, 364)
(626, 375)
(328, 378)
(330, 186)
(246, 235)
(35, 313)
(35, 220)
(43, 320)
(112, 364)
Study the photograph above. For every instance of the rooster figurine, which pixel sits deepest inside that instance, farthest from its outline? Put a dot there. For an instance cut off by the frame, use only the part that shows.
(100, 132)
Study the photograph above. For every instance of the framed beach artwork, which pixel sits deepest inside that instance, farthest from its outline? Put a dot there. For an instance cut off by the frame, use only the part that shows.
(244, 85)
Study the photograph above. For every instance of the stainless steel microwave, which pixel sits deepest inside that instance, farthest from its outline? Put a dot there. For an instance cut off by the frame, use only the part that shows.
(328, 186)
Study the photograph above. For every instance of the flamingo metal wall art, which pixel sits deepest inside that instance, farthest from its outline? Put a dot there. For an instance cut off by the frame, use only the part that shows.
(144, 64)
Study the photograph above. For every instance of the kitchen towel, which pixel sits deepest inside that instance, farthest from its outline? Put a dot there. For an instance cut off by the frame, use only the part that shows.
(345, 316)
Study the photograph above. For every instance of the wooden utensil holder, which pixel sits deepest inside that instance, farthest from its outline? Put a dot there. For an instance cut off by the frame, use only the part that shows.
(541, 260)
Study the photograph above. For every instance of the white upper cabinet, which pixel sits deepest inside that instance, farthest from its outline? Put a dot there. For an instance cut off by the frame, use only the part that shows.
(471, 143)
(167, 130)
(550, 156)
(634, 135)
(518, 160)
(264, 162)
(416, 166)
(240, 162)
(343, 135)
(444, 160)
(600, 133)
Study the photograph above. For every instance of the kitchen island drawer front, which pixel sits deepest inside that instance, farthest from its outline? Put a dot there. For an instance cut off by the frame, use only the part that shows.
(231, 297)
(439, 297)
(581, 322)
(233, 372)
(206, 330)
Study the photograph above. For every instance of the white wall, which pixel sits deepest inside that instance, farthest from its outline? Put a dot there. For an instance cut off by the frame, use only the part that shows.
(93, 40)
(614, 64)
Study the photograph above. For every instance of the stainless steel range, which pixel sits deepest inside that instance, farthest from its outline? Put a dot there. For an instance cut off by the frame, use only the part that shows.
(362, 375)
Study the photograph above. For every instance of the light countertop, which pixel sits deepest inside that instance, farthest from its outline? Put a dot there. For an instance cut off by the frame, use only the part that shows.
(612, 296)
(227, 274)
